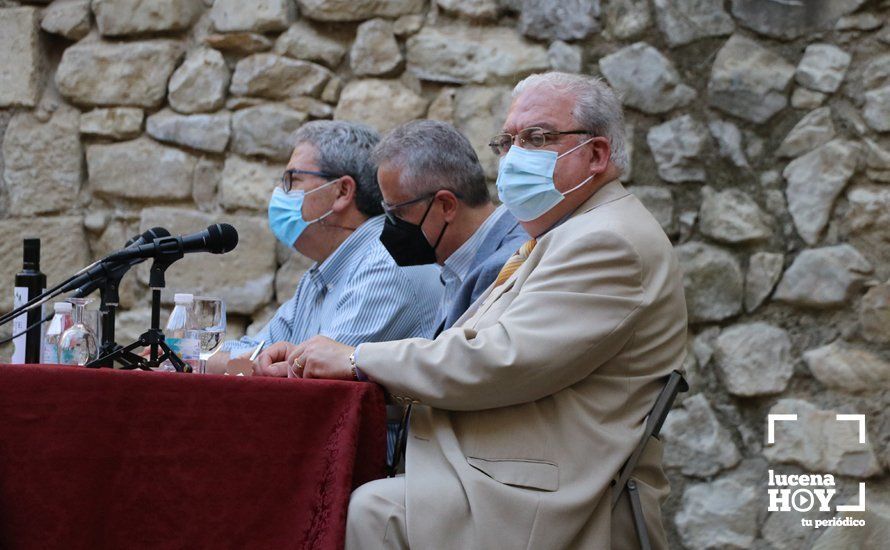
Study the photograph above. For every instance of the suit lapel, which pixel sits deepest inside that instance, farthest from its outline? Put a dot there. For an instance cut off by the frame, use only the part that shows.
(485, 301)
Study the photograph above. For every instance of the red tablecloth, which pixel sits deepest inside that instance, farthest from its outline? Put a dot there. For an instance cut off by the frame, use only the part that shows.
(109, 459)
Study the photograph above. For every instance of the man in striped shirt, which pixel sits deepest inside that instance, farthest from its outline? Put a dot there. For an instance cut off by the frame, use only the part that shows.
(327, 207)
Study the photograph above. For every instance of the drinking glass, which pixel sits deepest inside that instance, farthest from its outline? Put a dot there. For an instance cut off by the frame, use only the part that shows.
(78, 345)
(209, 320)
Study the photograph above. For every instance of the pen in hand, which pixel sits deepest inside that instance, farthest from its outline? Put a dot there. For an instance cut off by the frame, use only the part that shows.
(257, 351)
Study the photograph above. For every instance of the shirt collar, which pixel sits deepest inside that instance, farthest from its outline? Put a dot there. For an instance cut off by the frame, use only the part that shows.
(333, 268)
(459, 263)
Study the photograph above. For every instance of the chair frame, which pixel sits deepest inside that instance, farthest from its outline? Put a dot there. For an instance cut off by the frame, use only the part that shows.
(676, 383)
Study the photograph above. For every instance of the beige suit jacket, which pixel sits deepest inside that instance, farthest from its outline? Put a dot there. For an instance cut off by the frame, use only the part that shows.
(528, 407)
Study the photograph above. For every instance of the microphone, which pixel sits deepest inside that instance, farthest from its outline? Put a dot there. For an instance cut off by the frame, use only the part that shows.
(94, 278)
(218, 238)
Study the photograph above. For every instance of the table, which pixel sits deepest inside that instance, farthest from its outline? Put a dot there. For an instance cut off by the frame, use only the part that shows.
(100, 458)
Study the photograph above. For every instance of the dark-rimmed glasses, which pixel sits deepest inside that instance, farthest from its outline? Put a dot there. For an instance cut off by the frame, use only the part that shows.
(389, 210)
(530, 138)
(287, 179)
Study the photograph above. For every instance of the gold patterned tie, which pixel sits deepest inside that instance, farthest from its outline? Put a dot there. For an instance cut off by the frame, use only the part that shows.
(515, 261)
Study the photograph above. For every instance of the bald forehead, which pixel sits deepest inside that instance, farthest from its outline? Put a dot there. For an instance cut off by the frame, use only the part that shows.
(544, 107)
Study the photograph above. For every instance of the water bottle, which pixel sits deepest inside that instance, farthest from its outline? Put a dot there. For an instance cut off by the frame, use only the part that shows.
(61, 321)
(180, 333)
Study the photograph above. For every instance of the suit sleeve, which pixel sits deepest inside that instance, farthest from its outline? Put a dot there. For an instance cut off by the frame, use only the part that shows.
(575, 310)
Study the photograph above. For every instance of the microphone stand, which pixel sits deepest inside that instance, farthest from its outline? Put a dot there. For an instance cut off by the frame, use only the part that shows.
(153, 338)
(109, 349)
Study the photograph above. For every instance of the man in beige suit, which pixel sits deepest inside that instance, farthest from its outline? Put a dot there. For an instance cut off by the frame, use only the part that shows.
(527, 408)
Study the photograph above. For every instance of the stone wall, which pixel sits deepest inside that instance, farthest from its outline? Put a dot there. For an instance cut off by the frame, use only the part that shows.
(759, 133)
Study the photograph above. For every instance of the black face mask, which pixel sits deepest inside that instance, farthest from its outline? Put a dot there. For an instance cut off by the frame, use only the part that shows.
(406, 242)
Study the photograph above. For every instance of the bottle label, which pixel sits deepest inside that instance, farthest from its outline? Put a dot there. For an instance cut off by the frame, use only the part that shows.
(173, 344)
(69, 357)
(187, 349)
(19, 324)
(50, 353)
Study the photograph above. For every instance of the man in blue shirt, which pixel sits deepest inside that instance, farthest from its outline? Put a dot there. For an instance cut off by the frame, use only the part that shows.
(438, 210)
(327, 207)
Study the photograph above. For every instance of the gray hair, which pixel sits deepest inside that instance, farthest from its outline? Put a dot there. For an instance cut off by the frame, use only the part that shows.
(433, 155)
(597, 107)
(344, 149)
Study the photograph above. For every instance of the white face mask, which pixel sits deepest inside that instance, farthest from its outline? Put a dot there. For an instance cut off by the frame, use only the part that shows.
(525, 181)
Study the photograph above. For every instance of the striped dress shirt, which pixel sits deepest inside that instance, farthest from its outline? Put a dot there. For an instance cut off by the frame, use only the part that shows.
(358, 294)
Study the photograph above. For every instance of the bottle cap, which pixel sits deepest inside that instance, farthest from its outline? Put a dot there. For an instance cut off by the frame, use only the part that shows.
(182, 298)
(32, 254)
(62, 307)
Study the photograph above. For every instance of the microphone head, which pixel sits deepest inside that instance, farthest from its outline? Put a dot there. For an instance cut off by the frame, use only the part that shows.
(222, 238)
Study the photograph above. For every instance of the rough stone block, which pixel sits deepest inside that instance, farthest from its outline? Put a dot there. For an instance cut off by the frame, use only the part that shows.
(105, 73)
(260, 16)
(266, 130)
(21, 57)
(204, 131)
(247, 184)
(43, 162)
(451, 53)
(754, 359)
(358, 10)
(128, 17)
(381, 104)
(748, 80)
(712, 280)
(114, 123)
(140, 169)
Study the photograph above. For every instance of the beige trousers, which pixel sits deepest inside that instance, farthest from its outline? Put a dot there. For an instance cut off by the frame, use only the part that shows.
(376, 517)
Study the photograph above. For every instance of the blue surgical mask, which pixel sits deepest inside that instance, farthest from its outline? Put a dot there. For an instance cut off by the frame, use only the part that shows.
(286, 214)
(525, 181)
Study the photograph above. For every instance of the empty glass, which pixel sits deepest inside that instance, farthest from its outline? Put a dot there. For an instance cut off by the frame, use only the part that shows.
(209, 320)
(78, 345)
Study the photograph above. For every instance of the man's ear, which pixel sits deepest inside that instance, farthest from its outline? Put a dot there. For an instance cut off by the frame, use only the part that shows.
(449, 204)
(346, 187)
(602, 152)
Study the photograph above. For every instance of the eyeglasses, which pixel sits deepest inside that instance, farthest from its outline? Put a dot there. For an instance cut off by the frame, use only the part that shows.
(287, 179)
(389, 210)
(530, 138)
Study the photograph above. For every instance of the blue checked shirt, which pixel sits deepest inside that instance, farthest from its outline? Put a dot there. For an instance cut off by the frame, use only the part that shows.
(358, 294)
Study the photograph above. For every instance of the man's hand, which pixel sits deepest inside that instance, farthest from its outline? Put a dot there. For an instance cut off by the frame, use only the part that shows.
(321, 357)
(273, 361)
(318, 357)
(216, 364)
